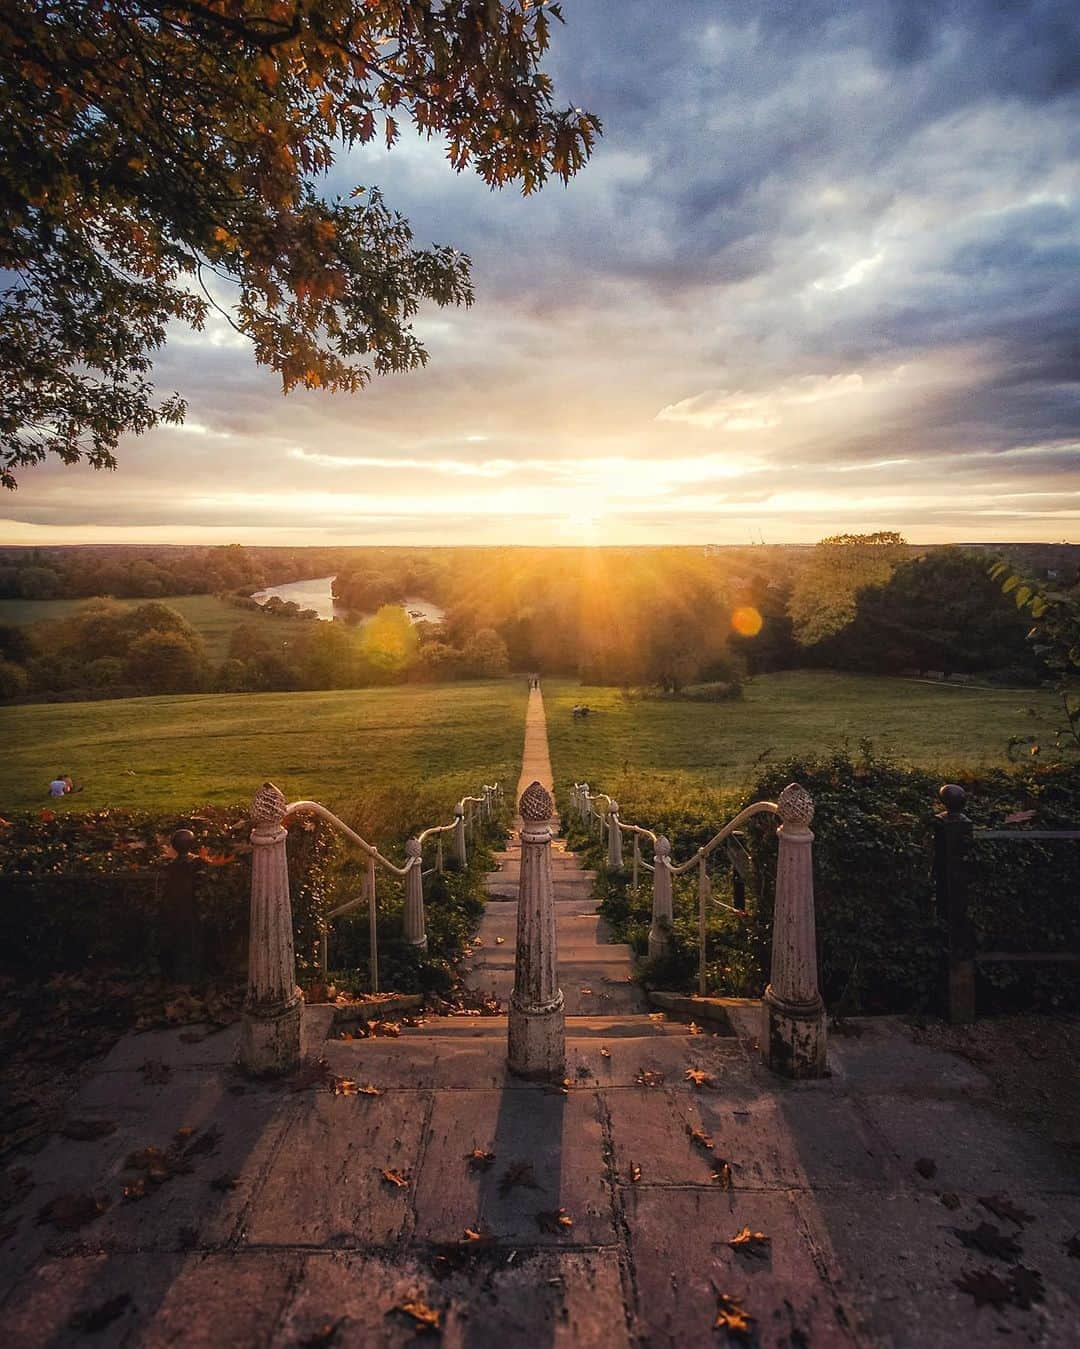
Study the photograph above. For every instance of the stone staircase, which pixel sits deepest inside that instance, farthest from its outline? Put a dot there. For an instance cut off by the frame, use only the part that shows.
(595, 973)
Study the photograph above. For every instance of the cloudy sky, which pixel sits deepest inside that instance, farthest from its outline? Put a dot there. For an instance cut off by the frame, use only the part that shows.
(823, 273)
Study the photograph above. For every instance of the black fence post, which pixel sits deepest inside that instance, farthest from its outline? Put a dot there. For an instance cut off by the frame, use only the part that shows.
(182, 955)
(953, 833)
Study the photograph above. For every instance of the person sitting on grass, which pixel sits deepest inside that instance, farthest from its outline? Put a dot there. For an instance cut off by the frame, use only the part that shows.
(60, 785)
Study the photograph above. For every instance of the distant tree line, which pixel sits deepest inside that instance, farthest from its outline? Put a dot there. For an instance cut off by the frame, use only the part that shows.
(689, 622)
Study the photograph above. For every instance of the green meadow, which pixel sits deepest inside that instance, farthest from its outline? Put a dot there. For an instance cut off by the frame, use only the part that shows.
(690, 746)
(387, 759)
(380, 754)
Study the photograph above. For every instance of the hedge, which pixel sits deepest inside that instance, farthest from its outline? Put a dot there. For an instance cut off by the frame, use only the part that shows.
(880, 945)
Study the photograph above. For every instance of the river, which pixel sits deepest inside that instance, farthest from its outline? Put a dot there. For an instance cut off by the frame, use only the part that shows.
(316, 594)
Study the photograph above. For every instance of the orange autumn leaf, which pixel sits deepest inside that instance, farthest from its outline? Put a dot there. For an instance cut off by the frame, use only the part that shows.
(425, 1317)
(732, 1316)
(749, 1242)
(395, 1178)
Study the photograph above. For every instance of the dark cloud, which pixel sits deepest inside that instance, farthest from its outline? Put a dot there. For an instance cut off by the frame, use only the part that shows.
(878, 193)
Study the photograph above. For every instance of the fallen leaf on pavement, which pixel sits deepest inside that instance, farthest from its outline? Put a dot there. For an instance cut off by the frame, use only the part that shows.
(722, 1174)
(479, 1160)
(395, 1178)
(699, 1077)
(369, 1089)
(425, 1317)
(605, 1053)
(343, 1086)
(990, 1240)
(694, 1028)
(1001, 1207)
(700, 1137)
(732, 1316)
(476, 1237)
(499, 941)
(554, 1220)
(135, 1189)
(71, 1211)
(322, 1336)
(985, 1287)
(517, 1174)
(748, 1242)
(635, 1172)
(647, 1078)
(97, 1318)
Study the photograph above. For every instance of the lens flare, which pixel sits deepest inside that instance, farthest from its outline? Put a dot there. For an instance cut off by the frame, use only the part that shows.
(746, 621)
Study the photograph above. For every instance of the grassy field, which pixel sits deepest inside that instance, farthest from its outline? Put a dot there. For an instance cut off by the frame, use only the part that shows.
(213, 619)
(384, 758)
(724, 745)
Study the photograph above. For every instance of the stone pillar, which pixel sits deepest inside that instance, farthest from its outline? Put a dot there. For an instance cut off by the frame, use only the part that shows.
(414, 930)
(460, 852)
(794, 1032)
(536, 1042)
(614, 838)
(660, 931)
(270, 1033)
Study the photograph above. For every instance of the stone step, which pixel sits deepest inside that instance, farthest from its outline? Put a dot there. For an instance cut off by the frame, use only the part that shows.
(626, 1027)
(571, 955)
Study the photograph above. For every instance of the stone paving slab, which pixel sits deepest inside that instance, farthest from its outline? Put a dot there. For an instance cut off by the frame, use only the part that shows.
(559, 1137)
(681, 1261)
(324, 1186)
(901, 1256)
(197, 1300)
(539, 1298)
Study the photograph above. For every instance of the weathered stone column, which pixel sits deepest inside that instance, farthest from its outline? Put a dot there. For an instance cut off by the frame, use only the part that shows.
(660, 931)
(794, 1032)
(536, 1043)
(460, 852)
(614, 838)
(414, 930)
(270, 1032)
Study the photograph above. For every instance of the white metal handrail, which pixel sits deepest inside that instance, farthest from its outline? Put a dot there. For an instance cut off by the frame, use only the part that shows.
(412, 872)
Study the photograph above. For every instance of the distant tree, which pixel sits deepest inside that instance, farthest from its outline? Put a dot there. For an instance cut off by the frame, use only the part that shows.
(158, 160)
(14, 680)
(940, 612)
(438, 661)
(485, 655)
(164, 662)
(823, 598)
(233, 676)
(326, 656)
(388, 641)
(15, 643)
(104, 673)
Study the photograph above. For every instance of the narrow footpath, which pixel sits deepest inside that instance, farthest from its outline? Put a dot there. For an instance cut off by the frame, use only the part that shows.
(595, 973)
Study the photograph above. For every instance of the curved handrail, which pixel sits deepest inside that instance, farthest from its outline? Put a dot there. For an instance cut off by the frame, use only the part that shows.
(314, 808)
(414, 864)
(758, 808)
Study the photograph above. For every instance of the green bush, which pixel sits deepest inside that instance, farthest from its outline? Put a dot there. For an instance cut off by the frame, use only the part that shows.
(88, 889)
